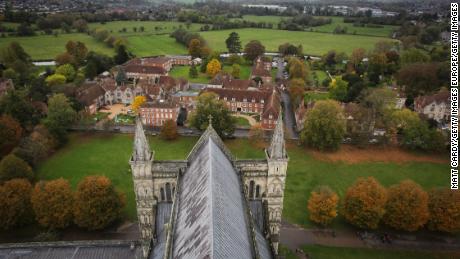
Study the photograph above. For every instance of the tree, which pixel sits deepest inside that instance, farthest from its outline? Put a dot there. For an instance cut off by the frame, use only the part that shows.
(413, 55)
(169, 130)
(213, 67)
(194, 48)
(418, 79)
(297, 69)
(324, 126)
(65, 58)
(253, 50)
(444, 210)
(67, 71)
(296, 90)
(407, 206)
(15, 104)
(256, 133)
(138, 102)
(415, 131)
(338, 89)
(288, 49)
(60, 116)
(52, 203)
(236, 70)
(233, 43)
(13, 167)
(357, 56)
(121, 55)
(208, 105)
(56, 79)
(322, 205)
(80, 25)
(35, 147)
(97, 204)
(10, 134)
(78, 51)
(364, 203)
(193, 72)
(15, 203)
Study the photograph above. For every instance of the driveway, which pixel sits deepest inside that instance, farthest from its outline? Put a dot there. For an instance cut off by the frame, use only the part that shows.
(289, 118)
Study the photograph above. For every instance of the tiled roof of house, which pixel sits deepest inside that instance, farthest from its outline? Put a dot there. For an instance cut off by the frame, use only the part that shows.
(240, 84)
(142, 69)
(273, 106)
(152, 61)
(440, 97)
(88, 92)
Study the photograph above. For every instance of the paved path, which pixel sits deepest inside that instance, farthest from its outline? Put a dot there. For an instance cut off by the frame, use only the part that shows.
(250, 119)
(289, 118)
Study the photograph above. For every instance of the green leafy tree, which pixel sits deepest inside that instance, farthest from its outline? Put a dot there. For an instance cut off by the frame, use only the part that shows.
(52, 203)
(193, 72)
(68, 71)
(364, 203)
(60, 116)
(97, 204)
(322, 205)
(208, 105)
(413, 55)
(236, 70)
(233, 43)
(253, 50)
(16, 105)
(16, 209)
(297, 69)
(122, 55)
(324, 126)
(13, 167)
(338, 89)
(56, 79)
(407, 206)
(194, 48)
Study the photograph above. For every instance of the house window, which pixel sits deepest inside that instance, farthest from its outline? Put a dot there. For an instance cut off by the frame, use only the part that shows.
(270, 116)
(245, 100)
(233, 99)
(225, 98)
(262, 101)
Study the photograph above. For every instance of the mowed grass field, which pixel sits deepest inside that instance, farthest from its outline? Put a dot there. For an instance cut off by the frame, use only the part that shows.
(48, 46)
(313, 43)
(386, 31)
(183, 71)
(108, 154)
(150, 27)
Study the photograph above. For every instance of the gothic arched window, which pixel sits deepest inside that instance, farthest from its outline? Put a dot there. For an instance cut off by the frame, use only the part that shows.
(257, 191)
(162, 194)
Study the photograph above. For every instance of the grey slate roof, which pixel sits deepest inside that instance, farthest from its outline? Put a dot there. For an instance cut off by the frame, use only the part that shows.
(257, 211)
(72, 250)
(162, 218)
(211, 220)
(277, 148)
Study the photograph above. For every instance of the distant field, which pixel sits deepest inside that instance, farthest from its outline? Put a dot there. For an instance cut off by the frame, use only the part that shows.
(313, 43)
(338, 21)
(150, 27)
(143, 46)
(49, 46)
(265, 18)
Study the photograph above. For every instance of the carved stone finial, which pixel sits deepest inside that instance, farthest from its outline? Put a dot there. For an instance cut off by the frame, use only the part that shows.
(210, 120)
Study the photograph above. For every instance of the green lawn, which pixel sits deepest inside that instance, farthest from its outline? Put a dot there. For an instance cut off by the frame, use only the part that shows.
(386, 31)
(182, 71)
(313, 43)
(150, 27)
(108, 154)
(316, 96)
(49, 46)
(326, 252)
(240, 121)
(144, 46)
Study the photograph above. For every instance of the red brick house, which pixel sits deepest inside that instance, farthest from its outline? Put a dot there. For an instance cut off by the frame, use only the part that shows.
(155, 113)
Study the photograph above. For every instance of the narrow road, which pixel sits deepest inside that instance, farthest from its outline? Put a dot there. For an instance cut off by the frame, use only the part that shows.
(288, 118)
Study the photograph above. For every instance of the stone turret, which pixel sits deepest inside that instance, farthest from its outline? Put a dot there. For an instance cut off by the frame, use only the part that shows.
(277, 161)
(141, 167)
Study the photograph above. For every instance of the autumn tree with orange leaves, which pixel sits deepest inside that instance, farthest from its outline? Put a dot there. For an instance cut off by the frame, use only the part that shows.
(97, 204)
(444, 207)
(322, 205)
(213, 67)
(52, 203)
(10, 134)
(407, 206)
(364, 203)
(169, 130)
(15, 208)
(138, 102)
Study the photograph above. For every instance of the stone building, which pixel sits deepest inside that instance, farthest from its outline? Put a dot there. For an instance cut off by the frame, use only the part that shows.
(209, 205)
(435, 106)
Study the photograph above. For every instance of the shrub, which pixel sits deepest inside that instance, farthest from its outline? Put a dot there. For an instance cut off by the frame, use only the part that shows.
(13, 167)
(322, 205)
(15, 203)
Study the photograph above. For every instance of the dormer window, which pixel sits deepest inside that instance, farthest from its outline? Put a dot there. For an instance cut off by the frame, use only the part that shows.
(253, 100)
(245, 100)
(225, 98)
(262, 101)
